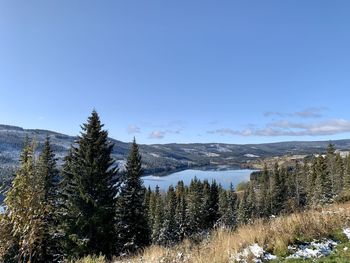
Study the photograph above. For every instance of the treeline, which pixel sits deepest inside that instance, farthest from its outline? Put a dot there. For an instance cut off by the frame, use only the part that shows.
(192, 211)
(89, 208)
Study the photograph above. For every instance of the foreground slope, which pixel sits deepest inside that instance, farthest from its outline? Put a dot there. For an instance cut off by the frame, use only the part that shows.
(273, 235)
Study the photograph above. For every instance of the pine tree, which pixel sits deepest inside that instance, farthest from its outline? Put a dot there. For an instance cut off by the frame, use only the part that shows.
(243, 216)
(331, 169)
(194, 212)
(264, 196)
(311, 182)
(338, 185)
(323, 186)
(89, 193)
(346, 191)
(181, 207)
(228, 208)
(47, 193)
(213, 211)
(132, 223)
(170, 230)
(206, 206)
(277, 190)
(158, 218)
(251, 201)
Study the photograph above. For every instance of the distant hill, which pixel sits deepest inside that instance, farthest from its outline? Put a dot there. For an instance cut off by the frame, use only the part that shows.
(162, 158)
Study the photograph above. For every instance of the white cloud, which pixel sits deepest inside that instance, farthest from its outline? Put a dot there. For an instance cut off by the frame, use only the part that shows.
(313, 112)
(133, 129)
(286, 128)
(160, 134)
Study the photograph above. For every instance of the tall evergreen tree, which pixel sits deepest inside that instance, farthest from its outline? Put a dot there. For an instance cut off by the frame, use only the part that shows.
(170, 231)
(213, 211)
(181, 207)
(158, 217)
(89, 187)
(264, 196)
(278, 190)
(323, 192)
(194, 212)
(132, 224)
(48, 177)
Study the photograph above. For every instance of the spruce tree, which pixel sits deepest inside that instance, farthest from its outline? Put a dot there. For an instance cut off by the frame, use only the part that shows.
(89, 193)
(158, 217)
(243, 216)
(48, 177)
(251, 201)
(228, 208)
(338, 185)
(194, 212)
(181, 207)
(278, 190)
(170, 231)
(323, 192)
(264, 196)
(346, 190)
(132, 223)
(213, 212)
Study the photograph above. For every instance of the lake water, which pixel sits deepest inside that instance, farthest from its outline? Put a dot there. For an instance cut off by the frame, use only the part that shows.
(223, 177)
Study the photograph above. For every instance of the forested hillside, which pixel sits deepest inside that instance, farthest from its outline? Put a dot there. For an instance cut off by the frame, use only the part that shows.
(160, 158)
(90, 208)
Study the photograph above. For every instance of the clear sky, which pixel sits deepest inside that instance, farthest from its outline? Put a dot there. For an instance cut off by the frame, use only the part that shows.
(178, 71)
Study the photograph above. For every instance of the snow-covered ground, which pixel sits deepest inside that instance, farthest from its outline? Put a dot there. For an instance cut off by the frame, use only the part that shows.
(249, 155)
(254, 252)
(315, 249)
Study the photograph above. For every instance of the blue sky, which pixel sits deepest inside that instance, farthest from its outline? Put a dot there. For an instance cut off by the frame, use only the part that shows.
(178, 71)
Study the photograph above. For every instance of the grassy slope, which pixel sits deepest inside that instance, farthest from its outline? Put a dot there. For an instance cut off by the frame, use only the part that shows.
(274, 235)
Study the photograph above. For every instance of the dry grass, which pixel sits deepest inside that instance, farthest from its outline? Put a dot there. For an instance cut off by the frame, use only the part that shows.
(274, 235)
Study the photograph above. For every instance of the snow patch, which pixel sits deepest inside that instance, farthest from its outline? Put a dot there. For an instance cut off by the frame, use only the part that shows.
(315, 249)
(255, 251)
(249, 155)
(346, 231)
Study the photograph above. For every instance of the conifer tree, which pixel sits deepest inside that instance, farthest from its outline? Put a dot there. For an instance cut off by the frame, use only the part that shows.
(277, 191)
(251, 201)
(132, 224)
(89, 193)
(47, 193)
(170, 231)
(311, 182)
(206, 206)
(158, 218)
(228, 208)
(264, 196)
(213, 211)
(323, 186)
(338, 185)
(194, 211)
(346, 191)
(243, 209)
(181, 207)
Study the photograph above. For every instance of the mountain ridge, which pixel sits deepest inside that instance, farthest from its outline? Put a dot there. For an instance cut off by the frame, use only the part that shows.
(164, 158)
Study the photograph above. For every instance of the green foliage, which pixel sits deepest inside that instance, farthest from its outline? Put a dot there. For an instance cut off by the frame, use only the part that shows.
(131, 212)
(88, 194)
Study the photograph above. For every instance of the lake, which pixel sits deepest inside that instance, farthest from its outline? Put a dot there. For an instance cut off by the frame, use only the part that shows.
(223, 177)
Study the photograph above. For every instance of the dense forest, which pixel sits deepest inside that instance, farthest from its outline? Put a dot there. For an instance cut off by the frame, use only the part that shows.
(90, 208)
